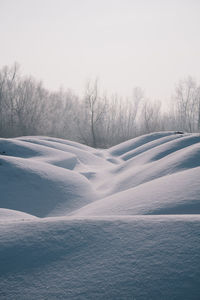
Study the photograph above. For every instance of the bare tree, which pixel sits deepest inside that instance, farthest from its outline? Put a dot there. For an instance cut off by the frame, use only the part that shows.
(187, 105)
(9, 79)
(27, 108)
(151, 113)
(91, 114)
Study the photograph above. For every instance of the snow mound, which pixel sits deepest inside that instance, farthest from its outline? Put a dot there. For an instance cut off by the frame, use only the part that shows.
(8, 214)
(41, 189)
(18, 148)
(121, 258)
(168, 158)
(149, 145)
(137, 142)
(57, 140)
(178, 193)
(46, 176)
(84, 223)
(84, 155)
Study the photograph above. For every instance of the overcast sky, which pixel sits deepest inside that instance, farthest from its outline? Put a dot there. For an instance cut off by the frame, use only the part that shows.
(125, 43)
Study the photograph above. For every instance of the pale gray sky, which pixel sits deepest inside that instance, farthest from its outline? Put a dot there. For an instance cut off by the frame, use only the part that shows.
(125, 43)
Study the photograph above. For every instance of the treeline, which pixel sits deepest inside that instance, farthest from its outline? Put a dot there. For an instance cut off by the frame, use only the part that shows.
(27, 108)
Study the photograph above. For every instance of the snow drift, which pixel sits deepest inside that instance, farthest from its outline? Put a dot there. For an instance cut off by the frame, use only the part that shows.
(84, 223)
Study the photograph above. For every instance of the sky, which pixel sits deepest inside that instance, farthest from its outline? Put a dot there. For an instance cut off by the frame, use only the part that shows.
(124, 43)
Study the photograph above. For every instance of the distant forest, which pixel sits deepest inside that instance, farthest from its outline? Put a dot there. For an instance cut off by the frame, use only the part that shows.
(27, 108)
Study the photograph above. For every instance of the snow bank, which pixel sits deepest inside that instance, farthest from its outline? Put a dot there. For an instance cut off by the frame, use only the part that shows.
(121, 258)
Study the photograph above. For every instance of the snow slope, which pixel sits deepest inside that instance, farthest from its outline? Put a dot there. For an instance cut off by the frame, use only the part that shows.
(84, 223)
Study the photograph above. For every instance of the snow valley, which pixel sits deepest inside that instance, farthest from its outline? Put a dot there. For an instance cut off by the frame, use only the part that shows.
(84, 223)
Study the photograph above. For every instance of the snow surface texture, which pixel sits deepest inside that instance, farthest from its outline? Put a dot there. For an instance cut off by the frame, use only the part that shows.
(84, 223)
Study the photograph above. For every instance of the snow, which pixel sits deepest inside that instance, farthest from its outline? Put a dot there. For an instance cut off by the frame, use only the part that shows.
(84, 223)
(137, 142)
(142, 258)
(178, 193)
(40, 189)
(9, 214)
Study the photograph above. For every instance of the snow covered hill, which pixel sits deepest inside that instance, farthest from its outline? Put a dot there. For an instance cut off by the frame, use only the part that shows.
(84, 223)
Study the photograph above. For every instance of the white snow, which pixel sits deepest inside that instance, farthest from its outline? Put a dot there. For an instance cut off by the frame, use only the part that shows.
(84, 223)
(9, 214)
(178, 193)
